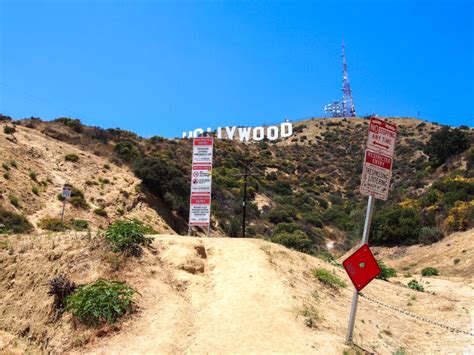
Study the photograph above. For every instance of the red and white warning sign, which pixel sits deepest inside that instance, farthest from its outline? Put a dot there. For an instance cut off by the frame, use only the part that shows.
(382, 136)
(201, 178)
(200, 209)
(202, 150)
(201, 182)
(376, 175)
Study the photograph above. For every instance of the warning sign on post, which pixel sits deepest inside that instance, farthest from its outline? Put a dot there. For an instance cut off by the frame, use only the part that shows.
(382, 136)
(361, 267)
(200, 209)
(201, 178)
(376, 175)
(202, 150)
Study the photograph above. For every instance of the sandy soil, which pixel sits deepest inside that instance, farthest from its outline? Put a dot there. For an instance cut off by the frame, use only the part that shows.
(221, 295)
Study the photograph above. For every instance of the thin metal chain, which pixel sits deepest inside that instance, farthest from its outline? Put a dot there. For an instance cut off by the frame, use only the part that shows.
(451, 329)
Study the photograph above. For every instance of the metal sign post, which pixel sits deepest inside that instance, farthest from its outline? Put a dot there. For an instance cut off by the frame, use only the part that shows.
(375, 183)
(355, 297)
(66, 194)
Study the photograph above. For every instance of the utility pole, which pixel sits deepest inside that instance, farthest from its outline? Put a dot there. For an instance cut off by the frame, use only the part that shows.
(244, 202)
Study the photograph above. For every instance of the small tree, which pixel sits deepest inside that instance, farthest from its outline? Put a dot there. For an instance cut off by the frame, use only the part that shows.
(445, 143)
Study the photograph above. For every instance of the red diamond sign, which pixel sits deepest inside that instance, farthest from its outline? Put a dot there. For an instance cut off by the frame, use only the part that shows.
(361, 267)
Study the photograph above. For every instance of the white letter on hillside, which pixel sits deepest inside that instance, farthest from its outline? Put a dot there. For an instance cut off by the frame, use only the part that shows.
(258, 133)
(198, 132)
(272, 133)
(184, 134)
(219, 133)
(244, 134)
(230, 132)
(289, 127)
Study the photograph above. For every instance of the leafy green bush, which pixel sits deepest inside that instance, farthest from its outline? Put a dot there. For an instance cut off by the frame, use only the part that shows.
(71, 157)
(80, 224)
(13, 222)
(14, 164)
(100, 212)
(9, 130)
(5, 166)
(396, 225)
(282, 214)
(124, 235)
(429, 235)
(430, 271)
(386, 272)
(101, 301)
(74, 123)
(35, 190)
(329, 279)
(33, 176)
(297, 240)
(52, 224)
(15, 201)
(413, 284)
(127, 150)
(314, 219)
(6, 175)
(445, 143)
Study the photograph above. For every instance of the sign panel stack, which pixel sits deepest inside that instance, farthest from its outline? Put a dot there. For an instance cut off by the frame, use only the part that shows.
(378, 161)
(201, 182)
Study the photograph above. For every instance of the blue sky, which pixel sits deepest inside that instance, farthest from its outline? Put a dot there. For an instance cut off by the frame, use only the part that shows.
(161, 67)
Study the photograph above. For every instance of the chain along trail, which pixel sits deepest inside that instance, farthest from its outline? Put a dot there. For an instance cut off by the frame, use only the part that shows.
(415, 316)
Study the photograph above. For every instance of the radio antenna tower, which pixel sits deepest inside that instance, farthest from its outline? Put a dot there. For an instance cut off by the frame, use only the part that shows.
(348, 109)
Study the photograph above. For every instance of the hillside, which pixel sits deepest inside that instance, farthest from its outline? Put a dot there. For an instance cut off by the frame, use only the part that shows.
(222, 295)
(304, 188)
(35, 170)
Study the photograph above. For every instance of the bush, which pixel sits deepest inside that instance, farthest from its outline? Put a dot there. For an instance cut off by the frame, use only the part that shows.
(386, 272)
(396, 225)
(297, 240)
(314, 219)
(127, 151)
(429, 271)
(6, 176)
(282, 214)
(33, 176)
(328, 279)
(60, 287)
(5, 166)
(445, 143)
(71, 157)
(125, 235)
(74, 123)
(15, 201)
(413, 284)
(80, 224)
(101, 301)
(52, 224)
(14, 164)
(9, 130)
(13, 222)
(429, 235)
(100, 212)
(35, 190)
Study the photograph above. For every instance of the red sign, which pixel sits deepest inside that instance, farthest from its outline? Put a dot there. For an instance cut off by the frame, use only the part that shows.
(203, 141)
(361, 267)
(379, 160)
(382, 136)
(376, 175)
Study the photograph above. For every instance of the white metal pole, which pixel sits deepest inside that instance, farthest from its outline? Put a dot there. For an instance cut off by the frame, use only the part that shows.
(355, 297)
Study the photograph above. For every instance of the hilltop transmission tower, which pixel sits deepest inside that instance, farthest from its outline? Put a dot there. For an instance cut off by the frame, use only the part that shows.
(348, 109)
(344, 108)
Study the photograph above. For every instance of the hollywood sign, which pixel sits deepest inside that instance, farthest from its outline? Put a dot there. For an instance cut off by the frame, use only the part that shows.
(245, 134)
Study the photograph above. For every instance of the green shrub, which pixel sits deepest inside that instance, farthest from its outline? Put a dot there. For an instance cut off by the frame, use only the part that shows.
(14, 164)
(456, 261)
(386, 272)
(429, 235)
(124, 235)
(413, 284)
(430, 271)
(396, 225)
(445, 143)
(9, 130)
(15, 201)
(127, 150)
(5, 166)
(101, 212)
(13, 222)
(101, 301)
(314, 219)
(52, 224)
(35, 190)
(328, 279)
(71, 157)
(33, 176)
(297, 240)
(6, 176)
(74, 123)
(80, 224)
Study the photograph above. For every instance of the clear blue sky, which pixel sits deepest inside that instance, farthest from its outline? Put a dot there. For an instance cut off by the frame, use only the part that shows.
(161, 67)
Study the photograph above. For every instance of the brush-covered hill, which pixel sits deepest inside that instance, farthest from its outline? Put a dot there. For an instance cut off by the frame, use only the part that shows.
(303, 191)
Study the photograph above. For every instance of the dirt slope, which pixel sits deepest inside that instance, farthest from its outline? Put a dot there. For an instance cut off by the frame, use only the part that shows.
(104, 184)
(219, 295)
